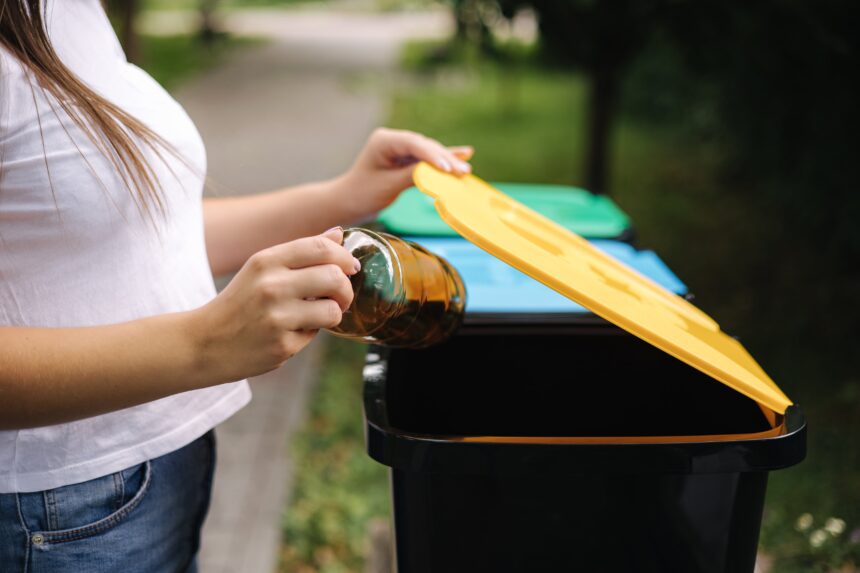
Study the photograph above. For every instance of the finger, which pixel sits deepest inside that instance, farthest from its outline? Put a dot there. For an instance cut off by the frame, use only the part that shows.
(322, 249)
(433, 152)
(464, 152)
(296, 340)
(326, 281)
(317, 314)
(334, 234)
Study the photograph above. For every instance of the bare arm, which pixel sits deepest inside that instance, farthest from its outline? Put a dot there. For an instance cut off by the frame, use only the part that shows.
(268, 312)
(237, 227)
(52, 375)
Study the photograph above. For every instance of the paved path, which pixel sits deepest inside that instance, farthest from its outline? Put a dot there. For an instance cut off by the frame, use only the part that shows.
(275, 115)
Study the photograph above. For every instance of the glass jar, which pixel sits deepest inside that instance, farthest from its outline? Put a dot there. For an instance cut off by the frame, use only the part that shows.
(404, 295)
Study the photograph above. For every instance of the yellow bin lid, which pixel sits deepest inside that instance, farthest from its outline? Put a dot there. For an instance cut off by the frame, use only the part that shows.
(567, 263)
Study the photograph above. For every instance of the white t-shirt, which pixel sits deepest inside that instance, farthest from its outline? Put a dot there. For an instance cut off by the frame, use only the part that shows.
(83, 255)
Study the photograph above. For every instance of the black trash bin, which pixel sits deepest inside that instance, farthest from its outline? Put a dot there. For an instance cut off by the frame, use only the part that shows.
(585, 450)
(577, 446)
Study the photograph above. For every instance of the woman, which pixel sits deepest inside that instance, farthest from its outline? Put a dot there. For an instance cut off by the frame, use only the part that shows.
(116, 356)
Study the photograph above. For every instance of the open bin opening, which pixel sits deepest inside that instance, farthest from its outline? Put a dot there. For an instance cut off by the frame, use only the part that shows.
(551, 386)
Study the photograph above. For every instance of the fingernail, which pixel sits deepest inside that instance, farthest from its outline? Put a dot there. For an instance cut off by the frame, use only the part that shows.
(333, 229)
(356, 264)
(444, 165)
(464, 167)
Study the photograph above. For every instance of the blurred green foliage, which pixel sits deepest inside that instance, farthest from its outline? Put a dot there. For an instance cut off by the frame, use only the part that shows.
(338, 489)
(822, 545)
(514, 120)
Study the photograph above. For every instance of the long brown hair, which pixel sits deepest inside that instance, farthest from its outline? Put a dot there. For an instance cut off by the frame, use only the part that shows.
(111, 129)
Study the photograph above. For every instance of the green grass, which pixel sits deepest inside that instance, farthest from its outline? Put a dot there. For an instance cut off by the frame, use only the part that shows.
(172, 60)
(757, 279)
(514, 122)
(338, 488)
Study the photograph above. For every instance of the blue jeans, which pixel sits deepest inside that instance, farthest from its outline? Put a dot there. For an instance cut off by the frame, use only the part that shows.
(144, 519)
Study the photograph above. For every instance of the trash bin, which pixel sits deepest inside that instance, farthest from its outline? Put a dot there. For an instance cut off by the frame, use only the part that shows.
(639, 443)
(592, 216)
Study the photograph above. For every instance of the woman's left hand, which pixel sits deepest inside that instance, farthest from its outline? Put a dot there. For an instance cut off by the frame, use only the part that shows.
(384, 167)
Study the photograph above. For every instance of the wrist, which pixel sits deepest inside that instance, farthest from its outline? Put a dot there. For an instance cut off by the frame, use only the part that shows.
(344, 197)
(196, 344)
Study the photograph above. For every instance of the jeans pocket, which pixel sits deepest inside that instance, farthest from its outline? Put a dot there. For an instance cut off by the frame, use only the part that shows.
(86, 509)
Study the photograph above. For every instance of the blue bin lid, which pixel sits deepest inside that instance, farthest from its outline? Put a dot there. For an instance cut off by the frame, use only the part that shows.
(493, 286)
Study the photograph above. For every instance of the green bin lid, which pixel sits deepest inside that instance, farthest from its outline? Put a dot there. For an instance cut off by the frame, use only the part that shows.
(586, 214)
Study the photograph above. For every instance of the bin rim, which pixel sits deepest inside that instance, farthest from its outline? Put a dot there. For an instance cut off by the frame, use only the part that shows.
(779, 447)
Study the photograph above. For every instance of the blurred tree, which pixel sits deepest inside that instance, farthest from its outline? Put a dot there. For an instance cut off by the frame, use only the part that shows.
(459, 7)
(472, 23)
(124, 14)
(208, 30)
(601, 38)
(784, 77)
(776, 84)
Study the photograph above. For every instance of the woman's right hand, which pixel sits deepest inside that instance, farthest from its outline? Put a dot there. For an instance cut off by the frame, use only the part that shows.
(275, 305)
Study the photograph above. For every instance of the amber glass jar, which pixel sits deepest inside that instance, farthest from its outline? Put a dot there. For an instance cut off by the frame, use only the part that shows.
(405, 296)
